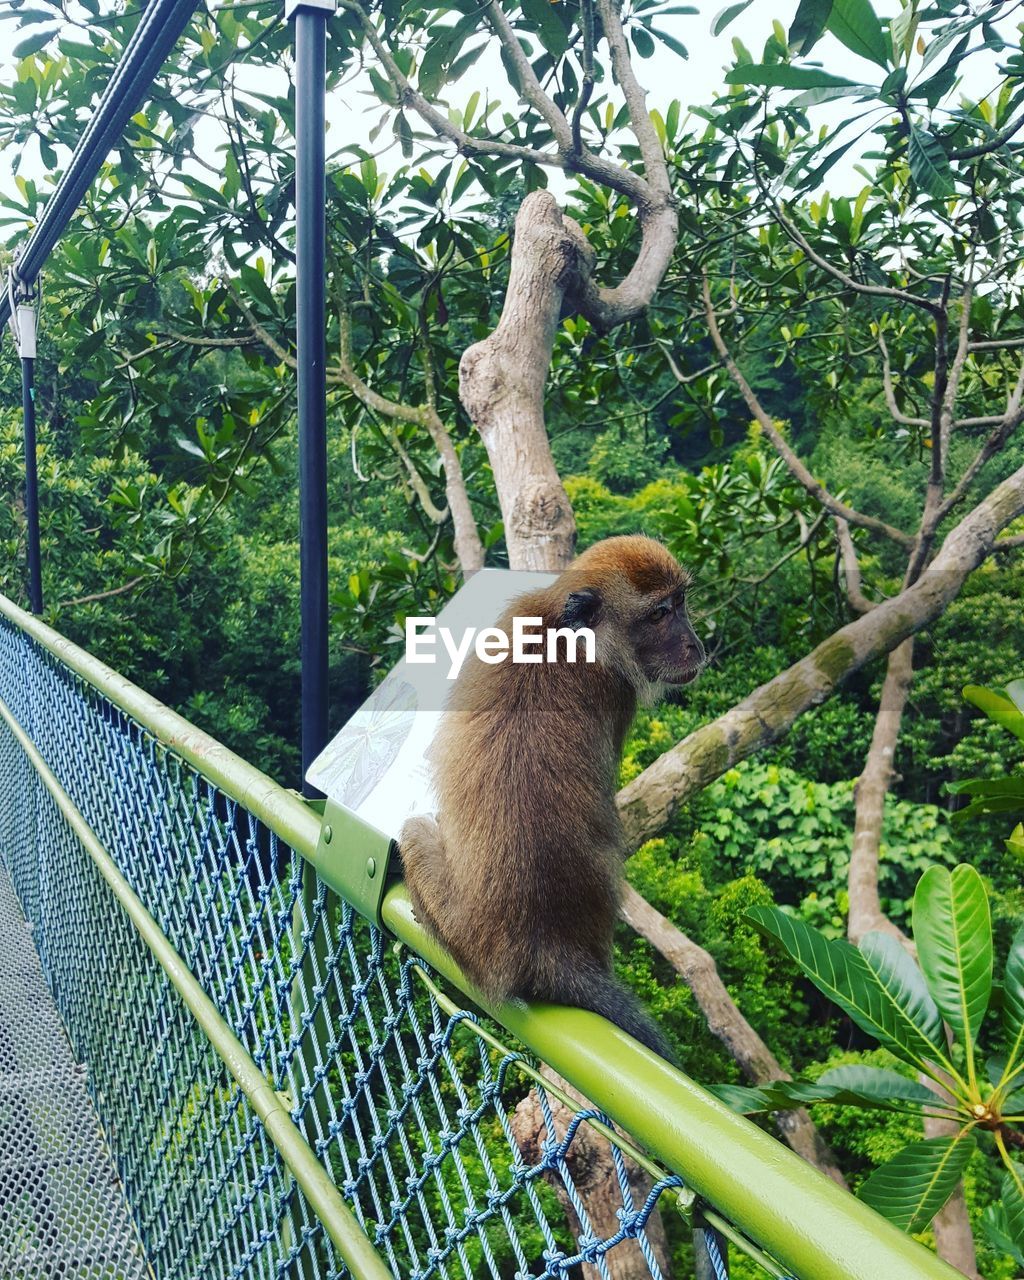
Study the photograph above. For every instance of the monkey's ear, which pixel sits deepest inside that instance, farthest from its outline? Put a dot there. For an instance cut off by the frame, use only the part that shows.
(581, 607)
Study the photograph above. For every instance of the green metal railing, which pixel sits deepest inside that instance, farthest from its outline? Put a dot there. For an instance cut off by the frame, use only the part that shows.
(290, 1092)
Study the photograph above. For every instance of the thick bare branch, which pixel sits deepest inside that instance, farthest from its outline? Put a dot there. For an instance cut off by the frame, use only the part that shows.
(851, 569)
(698, 970)
(501, 382)
(655, 168)
(895, 412)
(872, 787)
(995, 441)
(796, 467)
(649, 802)
(592, 166)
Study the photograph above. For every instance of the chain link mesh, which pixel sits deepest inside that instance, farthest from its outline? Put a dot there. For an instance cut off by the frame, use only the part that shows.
(458, 1158)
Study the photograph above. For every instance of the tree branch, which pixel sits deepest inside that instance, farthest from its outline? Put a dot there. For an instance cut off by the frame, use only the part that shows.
(997, 438)
(857, 286)
(698, 970)
(655, 168)
(872, 787)
(796, 468)
(890, 392)
(533, 92)
(993, 144)
(851, 569)
(650, 801)
(130, 585)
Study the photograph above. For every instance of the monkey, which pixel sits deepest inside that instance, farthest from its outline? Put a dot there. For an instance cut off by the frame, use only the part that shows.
(520, 873)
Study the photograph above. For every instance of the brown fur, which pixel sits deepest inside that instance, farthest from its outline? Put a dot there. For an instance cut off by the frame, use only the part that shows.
(520, 876)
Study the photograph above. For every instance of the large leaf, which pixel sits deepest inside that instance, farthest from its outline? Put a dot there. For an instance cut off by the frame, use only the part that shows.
(997, 1232)
(891, 964)
(990, 795)
(1013, 1204)
(871, 1088)
(929, 165)
(1013, 995)
(842, 973)
(785, 76)
(855, 24)
(544, 20)
(953, 932)
(914, 1185)
(874, 1088)
(808, 24)
(724, 16)
(742, 1098)
(997, 707)
(1015, 692)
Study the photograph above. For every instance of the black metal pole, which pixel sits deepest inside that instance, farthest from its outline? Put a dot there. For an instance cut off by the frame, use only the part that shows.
(311, 352)
(28, 410)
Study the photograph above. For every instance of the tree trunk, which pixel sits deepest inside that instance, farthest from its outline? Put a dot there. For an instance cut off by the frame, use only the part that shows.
(872, 787)
(650, 801)
(501, 384)
(954, 1239)
(698, 970)
(590, 1164)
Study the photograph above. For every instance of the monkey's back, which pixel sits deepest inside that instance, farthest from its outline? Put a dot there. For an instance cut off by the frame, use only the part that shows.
(525, 766)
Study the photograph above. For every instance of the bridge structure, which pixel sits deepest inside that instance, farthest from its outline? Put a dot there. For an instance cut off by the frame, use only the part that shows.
(213, 1067)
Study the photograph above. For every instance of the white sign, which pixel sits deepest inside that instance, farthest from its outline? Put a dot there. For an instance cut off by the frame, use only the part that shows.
(376, 765)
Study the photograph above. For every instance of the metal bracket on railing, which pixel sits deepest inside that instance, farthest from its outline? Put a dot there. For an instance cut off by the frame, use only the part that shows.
(355, 859)
(24, 307)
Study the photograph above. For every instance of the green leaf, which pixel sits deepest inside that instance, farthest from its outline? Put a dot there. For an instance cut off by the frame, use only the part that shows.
(543, 17)
(911, 1189)
(1015, 691)
(643, 42)
(256, 287)
(842, 973)
(997, 1232)
(871, 1088)
(953, 933)
(34, 42)
(724, 16)
(929, 165)
(813, 96)
(889, 961)
(1000, 709)
(743, 1099)
(1013, 996)
(855, 24)
(782, 74)
(874, 1086)
(1013, 1204)
(990, 787)
(809, 24)
(434, 63)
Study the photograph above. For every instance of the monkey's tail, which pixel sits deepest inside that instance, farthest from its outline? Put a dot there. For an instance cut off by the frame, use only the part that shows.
(594, 989)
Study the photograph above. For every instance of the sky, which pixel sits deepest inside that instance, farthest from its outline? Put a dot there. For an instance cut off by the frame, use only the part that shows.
(352, 112)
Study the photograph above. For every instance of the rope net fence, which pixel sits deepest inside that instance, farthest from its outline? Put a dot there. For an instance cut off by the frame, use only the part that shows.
(459, 1156)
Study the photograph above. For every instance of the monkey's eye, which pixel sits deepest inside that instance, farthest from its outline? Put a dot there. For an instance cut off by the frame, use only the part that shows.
(662, 612)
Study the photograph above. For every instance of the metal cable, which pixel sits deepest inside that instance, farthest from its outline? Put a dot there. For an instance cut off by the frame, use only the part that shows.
(161, 24)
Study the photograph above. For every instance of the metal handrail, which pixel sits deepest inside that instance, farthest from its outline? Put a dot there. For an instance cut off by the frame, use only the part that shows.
(796, 1214)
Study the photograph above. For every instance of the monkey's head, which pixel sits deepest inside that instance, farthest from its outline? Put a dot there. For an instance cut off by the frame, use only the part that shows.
(632, 593)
